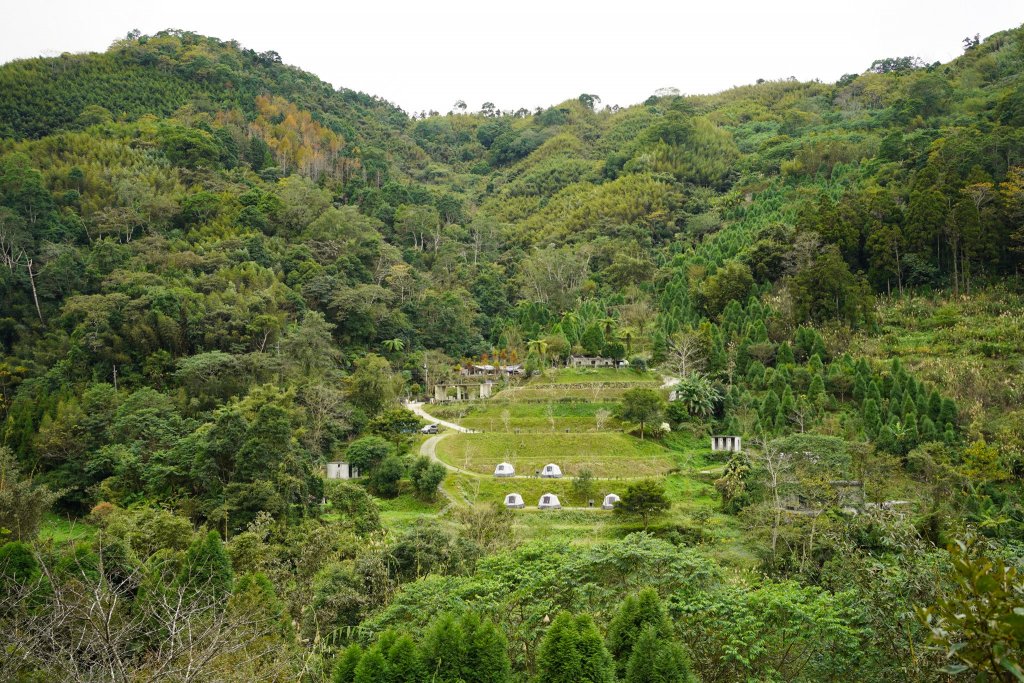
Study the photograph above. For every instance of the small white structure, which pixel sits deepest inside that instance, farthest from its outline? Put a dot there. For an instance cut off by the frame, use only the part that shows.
(609, 501)
(341, 470)
(549, 501)
(551, 471)
(726, 443)
(504, 470)
(515, 501)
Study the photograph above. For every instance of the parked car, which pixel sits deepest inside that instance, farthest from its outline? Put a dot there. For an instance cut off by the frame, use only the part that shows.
(430, 429)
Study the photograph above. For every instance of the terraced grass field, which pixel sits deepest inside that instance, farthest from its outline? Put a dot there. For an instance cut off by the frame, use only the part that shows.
(486, 490)
(507, 416)
(605, 454)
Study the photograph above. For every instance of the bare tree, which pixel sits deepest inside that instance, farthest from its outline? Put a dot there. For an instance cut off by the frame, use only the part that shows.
(601, 419)
(506, 419)
(101, 624)
(324, 405)
(685, 354)
(773, 461)
(801, 413)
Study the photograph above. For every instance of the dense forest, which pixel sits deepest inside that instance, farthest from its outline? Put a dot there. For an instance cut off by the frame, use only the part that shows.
(220, 273)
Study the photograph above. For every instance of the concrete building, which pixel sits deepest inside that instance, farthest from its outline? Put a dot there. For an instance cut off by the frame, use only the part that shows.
(341, 470)
(733, 444)
(462, 392)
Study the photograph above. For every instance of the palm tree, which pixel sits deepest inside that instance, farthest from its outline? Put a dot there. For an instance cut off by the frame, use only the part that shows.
(393, 345)
(538, 347)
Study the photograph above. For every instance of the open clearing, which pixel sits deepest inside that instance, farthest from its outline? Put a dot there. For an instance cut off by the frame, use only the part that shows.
(605, 454)
(494, 415)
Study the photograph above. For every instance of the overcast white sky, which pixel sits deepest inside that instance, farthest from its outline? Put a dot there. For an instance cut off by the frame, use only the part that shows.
(528, 53)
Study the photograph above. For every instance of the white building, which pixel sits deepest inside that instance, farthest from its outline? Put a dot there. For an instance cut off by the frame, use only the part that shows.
(609, 501)
(341, 470)
(726, 443)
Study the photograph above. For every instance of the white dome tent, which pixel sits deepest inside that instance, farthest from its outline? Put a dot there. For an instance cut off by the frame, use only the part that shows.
(609, 501)
(551, 471)
(514, 500)
(549, 501)
(504, 469)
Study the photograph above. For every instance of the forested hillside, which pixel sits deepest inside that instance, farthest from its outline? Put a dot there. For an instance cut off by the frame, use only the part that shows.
(219, 273)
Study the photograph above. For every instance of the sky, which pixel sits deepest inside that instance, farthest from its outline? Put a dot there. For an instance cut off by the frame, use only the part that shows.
(426, 55)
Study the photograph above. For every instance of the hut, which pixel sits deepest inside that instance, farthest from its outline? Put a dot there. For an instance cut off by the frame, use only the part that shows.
(609, 501)
(341, 470)
(514, 500)
(549, 501)
(504, 469)
(733, 444)
(551, 471)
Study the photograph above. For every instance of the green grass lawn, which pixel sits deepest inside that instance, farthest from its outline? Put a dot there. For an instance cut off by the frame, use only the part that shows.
(605, 454)
(61, 529)
(486, 490)
(491, 416)
(556, 391)
(572, 375)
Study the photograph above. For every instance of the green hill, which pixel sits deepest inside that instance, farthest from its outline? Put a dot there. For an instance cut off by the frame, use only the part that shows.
(219, 273)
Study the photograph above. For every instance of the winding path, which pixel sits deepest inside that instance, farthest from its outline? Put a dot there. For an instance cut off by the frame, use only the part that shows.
(417, 408)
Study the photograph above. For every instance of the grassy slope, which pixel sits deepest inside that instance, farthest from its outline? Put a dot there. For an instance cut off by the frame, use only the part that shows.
(607, 454)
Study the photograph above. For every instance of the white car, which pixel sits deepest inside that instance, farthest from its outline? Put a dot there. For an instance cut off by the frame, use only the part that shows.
(429, 429)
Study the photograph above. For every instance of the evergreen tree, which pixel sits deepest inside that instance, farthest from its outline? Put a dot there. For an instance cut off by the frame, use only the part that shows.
(487, 655)
(572, 652)
(656, 659)
(816, 390)
(596, 665)
(636, 613)
(927, 430)
(860, 388)
(558, 660)
(872, 418)
(769, 410)
(444, 650)
(815, 364)
(934, 406)
(755, 374)
(921, 403)
(947, 414)
(345, 667)
(372, 667)
(949, 436)
(207, 567)
(911, 436)
(788, 402)
(908, 407)
(784, 356)
(403, 661)
(874, 393)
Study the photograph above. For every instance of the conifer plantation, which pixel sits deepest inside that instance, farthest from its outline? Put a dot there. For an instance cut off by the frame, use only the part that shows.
(283, 369)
